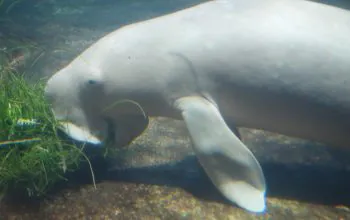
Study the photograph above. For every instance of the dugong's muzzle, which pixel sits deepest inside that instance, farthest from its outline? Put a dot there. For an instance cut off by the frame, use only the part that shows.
(85, 113)
(62, 95)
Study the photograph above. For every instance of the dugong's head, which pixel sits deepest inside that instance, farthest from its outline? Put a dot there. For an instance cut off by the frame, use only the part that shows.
(87, 111)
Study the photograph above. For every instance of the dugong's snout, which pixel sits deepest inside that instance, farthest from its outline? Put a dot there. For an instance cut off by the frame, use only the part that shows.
(86, 113)
(62, 94)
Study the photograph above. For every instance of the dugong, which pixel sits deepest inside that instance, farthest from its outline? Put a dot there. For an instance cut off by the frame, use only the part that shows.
(277, 65)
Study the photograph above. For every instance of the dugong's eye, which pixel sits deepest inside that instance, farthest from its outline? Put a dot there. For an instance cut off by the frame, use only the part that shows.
(93, 78)
(92, 82)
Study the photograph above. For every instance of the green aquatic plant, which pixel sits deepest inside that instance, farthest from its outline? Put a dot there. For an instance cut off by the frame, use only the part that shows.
(33, 157)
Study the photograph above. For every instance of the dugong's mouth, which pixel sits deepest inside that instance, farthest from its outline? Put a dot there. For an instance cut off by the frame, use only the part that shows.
(79, 133)
(73, 123)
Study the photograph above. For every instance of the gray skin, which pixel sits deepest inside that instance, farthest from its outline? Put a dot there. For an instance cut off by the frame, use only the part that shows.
(276, 65)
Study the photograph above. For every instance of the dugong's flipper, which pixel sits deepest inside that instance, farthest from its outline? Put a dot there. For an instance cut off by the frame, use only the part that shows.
(227, 161)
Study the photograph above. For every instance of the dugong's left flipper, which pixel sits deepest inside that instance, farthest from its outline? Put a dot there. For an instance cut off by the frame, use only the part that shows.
(228, 162)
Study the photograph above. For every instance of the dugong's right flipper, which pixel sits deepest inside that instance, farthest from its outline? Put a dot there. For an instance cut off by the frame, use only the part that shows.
(228, 162)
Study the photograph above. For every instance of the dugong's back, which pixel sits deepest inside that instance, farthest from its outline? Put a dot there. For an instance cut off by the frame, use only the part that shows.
(291, 44)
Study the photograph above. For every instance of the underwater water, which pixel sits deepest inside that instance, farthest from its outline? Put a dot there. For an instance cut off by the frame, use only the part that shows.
(158, 175)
